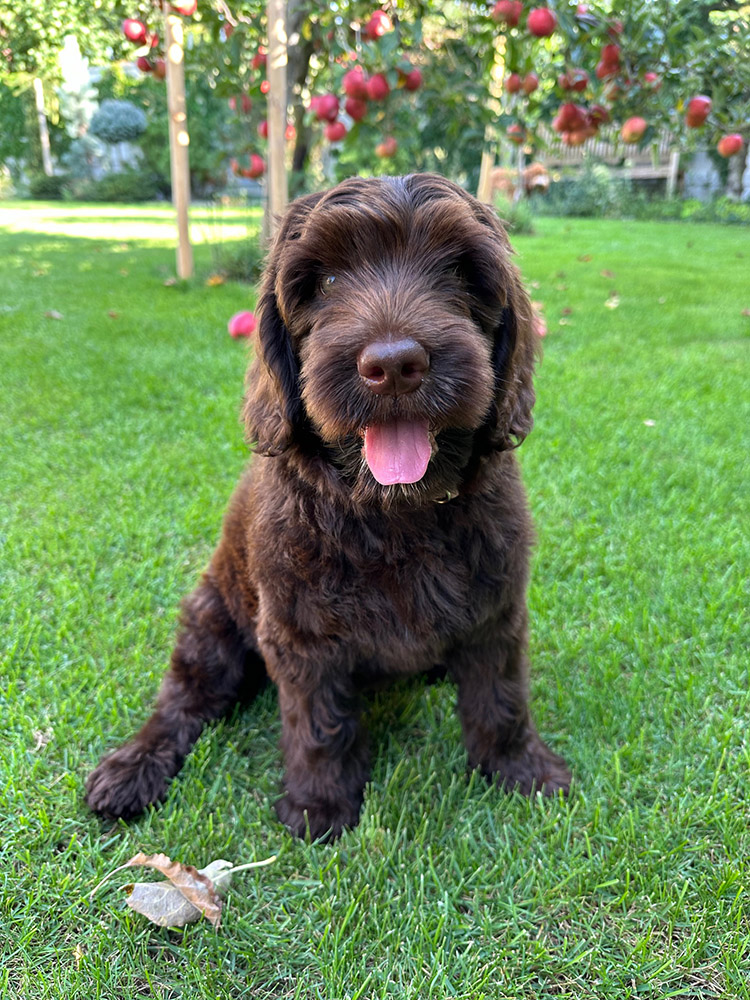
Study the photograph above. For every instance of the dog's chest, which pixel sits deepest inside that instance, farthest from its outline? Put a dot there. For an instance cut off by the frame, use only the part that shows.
(398, 589)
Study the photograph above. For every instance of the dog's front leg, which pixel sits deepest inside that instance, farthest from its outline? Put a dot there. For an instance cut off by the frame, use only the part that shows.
(491, 670)
(325, 752)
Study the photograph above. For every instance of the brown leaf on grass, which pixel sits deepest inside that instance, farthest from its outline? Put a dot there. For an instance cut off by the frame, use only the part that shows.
(613, 301)
(534, 284)
(745, 312)
(567, 311)
(585, 257)
(561, 274)
(186, 896)
(607, 274)
(53, 314)
(169, 282)
(213, 280)
(113, 314)
(561, 288)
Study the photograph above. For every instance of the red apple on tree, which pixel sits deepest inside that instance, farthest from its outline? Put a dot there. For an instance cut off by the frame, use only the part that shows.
(355, 108)
(335, 131)
(730, 145)
(530, 83)
(579, 79)
(144, 64)
(541, 22)
(326, 107)
(257, 166)
(378, 25)
(134, 30)
(160, 69)
(633, 129)
(260, 59)
(354, 83)
(263, 129)
(652, 81)
(413, 80)
(386, 148)
(265, 87)
(508, 11)
(377, 87)
(185, 7)
(697, 111)
(512, 83)
(516, 133)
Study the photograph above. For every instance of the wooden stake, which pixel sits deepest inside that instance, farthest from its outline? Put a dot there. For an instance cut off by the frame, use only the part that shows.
(179, 139)
(277, 108)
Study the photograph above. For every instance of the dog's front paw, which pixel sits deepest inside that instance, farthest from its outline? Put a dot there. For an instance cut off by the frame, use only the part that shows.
(532, 768)
(324, 820)
(125, 783)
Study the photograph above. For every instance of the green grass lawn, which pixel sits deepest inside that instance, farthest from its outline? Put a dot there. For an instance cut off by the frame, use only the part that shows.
(120, 445)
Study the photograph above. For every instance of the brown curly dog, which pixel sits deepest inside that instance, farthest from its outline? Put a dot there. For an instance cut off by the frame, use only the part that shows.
(382, 529)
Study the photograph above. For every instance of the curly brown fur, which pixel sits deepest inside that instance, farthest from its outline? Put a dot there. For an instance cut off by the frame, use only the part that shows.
(330, 581)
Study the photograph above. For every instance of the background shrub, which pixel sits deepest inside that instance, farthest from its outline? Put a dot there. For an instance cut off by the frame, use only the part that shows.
(46, 188)
(130, 185)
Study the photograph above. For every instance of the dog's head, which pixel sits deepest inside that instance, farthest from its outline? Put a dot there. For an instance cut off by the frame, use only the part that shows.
(394, 338)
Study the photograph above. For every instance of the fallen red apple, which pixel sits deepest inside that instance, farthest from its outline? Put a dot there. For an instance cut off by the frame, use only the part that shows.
(387, 147)
(355, 108)
(697, 111)
(729, 145)
(134, 30)
(335, 131)
(633, 129)
(377, 87)
(354, 83)
(512, 83)
(541, 22)
(508, 11)
(242, 324)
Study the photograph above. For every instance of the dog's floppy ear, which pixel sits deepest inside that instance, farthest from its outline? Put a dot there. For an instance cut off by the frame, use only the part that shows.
(272, 411)
(514, 341)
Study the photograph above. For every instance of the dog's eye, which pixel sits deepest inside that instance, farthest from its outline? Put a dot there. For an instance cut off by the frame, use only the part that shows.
(327, 283)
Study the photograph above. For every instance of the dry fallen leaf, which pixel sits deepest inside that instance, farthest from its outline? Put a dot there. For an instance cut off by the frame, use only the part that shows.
(650, 423)
(613, 301)
(53, 314)
(607, 274)
(586, 257)
(187, 895)
(567, 311)
(564, 322)
(113, 314)
(170, 281)
(214, 279)
(533, 284)
(124, 272)
(746, 312)
(561, 288)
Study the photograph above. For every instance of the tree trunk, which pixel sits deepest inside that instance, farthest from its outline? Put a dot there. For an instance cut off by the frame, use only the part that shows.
(43, 130)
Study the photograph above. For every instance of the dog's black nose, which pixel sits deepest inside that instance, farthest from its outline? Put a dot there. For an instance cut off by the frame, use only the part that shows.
(393, 367)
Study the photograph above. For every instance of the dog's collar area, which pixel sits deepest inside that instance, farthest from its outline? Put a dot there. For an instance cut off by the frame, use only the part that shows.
(449, 495)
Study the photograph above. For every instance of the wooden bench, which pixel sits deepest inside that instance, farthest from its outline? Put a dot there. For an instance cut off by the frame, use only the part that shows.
(656, 162)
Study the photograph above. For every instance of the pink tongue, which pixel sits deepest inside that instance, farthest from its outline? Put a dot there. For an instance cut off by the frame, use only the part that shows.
(398, 452)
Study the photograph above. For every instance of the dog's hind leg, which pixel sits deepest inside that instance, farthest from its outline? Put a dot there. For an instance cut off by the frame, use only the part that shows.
(491, 670)
(213, 666)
